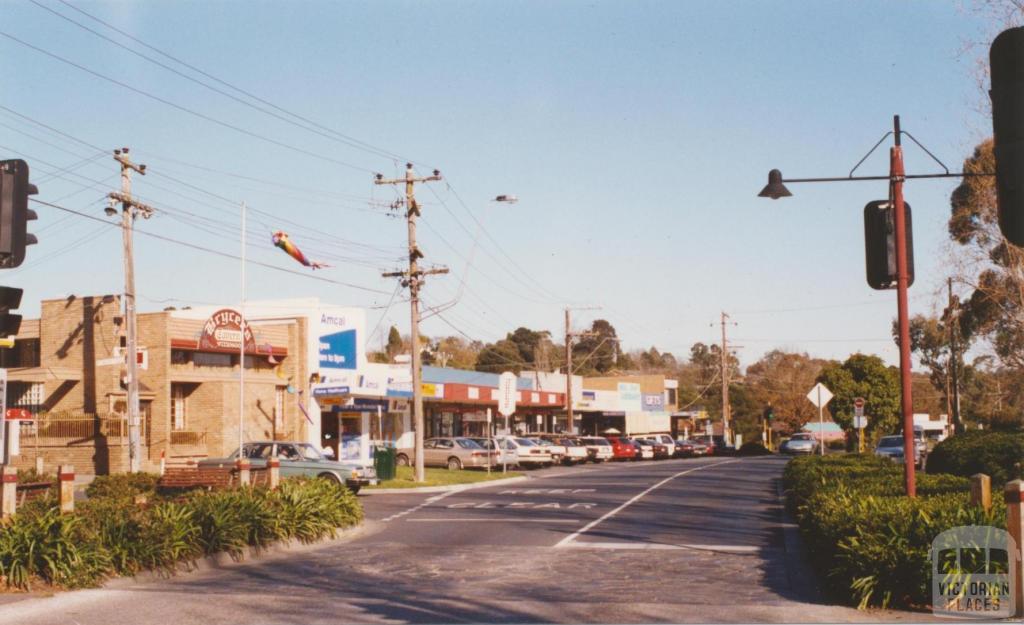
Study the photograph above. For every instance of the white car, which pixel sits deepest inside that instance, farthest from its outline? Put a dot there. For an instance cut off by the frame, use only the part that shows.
(600, 448)
(558, 451)
(646, 450)
(667, 441)
(529, 453)
(507, 454)
(575, 451)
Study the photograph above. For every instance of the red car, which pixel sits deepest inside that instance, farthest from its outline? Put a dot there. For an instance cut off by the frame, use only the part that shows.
(622, 449)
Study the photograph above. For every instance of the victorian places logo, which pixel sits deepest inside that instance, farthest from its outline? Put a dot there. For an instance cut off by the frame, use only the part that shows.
(974, 573)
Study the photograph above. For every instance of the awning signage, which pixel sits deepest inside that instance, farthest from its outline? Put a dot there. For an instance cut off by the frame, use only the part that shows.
(223, 331)
(327, 391)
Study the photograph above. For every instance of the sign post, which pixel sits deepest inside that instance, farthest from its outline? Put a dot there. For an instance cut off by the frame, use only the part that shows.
(506, 404)
(860, 422)
(4, 455)
(489, 438)
(820, 396)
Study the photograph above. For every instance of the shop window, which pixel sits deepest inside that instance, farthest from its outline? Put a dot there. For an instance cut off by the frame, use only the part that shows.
(27, 395)
(206, 359)
(179, 407)
(279, 392)
(180, 357)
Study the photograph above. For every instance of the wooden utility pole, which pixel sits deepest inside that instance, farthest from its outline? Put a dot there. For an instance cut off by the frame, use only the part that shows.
(724, 355)
(129, 209)
(569, 336)
(953, 321)
(413, 278)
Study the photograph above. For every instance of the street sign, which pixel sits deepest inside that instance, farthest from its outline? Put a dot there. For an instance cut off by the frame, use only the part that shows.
(507, 394)
(709, 429)
(820, 395)
(18, 414)
(860, 422)
(858, 407)
(3, 410)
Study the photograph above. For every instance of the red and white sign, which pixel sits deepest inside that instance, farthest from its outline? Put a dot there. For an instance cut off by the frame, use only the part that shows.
(19, 414)
(223, 332)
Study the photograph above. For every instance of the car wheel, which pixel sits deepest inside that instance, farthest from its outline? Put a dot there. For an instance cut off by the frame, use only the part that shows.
(402, 460)
(354, 489)
(330, 477)
(454, 464)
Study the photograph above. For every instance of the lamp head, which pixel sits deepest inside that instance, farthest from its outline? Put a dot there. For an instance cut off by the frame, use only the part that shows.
(774, 189)
(110, 211)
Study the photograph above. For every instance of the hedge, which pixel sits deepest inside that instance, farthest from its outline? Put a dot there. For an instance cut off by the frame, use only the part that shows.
(996, 454)
(865, 537)
(109, 535)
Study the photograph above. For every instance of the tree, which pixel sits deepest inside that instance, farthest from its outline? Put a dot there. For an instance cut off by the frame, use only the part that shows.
(395, 344)
(782, 379)
(455, 352)
(501, 356)
(597, 352)
(868, 377)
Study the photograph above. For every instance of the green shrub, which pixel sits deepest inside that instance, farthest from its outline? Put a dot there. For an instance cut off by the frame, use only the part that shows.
(753, 448)
(862, 534)
(996, 454)
(30, 476)
(123, 485)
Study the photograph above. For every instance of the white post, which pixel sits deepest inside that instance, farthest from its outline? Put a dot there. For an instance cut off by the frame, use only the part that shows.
(241, 350)
(494, 440)
(821, 424)
(364, 438)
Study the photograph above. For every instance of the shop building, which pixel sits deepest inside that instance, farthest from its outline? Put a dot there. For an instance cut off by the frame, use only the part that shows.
(631, 404)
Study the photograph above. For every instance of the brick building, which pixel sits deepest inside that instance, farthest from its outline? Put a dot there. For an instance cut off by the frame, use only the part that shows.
(68, 369)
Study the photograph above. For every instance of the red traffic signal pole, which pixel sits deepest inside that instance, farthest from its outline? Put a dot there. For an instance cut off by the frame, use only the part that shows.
(896, 178)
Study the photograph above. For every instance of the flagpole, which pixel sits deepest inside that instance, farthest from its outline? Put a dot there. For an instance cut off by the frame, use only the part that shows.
(241, 349)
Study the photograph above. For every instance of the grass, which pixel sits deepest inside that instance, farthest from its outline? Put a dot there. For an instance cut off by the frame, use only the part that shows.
(443, 477)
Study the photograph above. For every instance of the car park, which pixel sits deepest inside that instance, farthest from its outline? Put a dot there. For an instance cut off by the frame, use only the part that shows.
(300, 460)
(800, 443)
(454, 452)
(599, 448)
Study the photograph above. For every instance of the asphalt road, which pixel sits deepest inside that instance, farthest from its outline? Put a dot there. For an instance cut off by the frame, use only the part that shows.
(698, 540)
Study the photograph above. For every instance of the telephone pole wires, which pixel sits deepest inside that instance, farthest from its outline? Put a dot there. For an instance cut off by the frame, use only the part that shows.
(413, 279)
(130, 209)
(569, 335)
(724, 357)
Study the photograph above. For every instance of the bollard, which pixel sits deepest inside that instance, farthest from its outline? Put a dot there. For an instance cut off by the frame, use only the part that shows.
(66, 484)
(243, 466)
(273, 473)
(163, 462)
(9, 483)
(981, 490)
(39, 465)
(1015, 525)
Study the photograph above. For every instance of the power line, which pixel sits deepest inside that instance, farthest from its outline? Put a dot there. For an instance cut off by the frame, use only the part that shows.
(216, 252)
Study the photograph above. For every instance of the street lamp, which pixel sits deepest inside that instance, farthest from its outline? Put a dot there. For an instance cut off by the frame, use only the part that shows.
(776, 188)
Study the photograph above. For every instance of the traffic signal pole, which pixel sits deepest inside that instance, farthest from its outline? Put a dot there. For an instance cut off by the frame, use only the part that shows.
(896, 178)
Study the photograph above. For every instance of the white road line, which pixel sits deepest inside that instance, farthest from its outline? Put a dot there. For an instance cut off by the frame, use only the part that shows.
(491, 519)
(426, 502)
(571, 537)
(665, 546)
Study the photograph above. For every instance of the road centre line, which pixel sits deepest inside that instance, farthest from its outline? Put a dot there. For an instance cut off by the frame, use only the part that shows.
(571, 537)
(492, 520)
(665, 547)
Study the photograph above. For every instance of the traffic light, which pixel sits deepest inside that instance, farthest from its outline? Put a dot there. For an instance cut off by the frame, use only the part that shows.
(880, 244)
(10, 299)
(769, 413)
(14, 212)
(1006, 60)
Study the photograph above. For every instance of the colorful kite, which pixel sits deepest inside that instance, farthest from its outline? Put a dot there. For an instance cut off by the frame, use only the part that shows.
(282, 241)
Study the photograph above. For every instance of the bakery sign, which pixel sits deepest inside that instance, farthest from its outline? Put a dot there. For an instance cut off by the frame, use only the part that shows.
(223, 332)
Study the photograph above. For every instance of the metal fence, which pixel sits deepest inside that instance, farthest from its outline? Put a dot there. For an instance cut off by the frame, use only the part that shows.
(59, 429)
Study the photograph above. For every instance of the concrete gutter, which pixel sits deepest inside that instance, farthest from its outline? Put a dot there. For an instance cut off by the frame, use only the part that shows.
(440, 489)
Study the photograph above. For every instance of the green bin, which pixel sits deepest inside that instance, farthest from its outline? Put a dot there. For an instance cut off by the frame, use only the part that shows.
(384, 463)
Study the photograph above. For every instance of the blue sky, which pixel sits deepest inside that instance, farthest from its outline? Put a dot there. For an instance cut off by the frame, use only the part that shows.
(636, 135)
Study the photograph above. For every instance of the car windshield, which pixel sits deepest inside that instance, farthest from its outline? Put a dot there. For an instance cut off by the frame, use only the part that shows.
(525, 442)
(467, 443)
(891, 441)
(484, 443)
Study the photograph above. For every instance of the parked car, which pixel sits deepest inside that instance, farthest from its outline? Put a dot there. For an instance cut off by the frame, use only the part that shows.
(892, 447)
(600, 448)
(667, 441)
(506, 453)
(452, 452)
(300, 459)
(557, 450)
(575, 451)
(622, 448)
(530, 454)
(686, 448)
(800, 443)
(644, 448)
(660, 451)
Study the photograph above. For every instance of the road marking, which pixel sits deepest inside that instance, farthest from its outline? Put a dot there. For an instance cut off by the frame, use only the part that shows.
(529, 505)
(571, 537)
(546, 491)
(492, 520)
(426, 502)
(665, 547)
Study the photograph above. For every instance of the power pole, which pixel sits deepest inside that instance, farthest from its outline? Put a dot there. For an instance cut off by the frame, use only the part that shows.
(569, 336)
(953, 320)
(413, 278)
(129, 209)
(724, 355)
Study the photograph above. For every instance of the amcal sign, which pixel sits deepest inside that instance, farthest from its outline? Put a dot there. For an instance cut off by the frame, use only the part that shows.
(223, 332)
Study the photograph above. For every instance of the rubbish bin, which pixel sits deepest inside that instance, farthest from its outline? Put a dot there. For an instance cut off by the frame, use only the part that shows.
(384, 463)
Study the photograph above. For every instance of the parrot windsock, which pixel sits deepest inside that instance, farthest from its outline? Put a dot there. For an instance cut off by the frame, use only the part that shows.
(282, 241)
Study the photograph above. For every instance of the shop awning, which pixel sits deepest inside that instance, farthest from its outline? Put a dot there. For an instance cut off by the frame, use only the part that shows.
(261, 350)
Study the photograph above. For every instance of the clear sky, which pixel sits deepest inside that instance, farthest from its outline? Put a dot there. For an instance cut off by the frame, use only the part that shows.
(636, 135)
